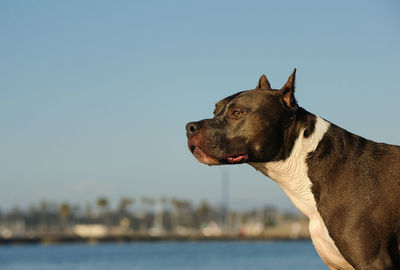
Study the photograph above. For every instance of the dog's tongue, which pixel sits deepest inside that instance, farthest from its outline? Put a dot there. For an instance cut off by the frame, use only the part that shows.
(236, 158)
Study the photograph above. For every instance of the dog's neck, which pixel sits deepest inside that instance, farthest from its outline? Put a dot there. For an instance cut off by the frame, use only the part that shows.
(291, 173)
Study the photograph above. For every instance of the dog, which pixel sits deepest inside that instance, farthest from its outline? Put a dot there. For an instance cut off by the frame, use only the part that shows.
(348, 186)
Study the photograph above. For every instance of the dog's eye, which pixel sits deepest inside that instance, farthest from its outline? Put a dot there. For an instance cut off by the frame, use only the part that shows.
(236, 113)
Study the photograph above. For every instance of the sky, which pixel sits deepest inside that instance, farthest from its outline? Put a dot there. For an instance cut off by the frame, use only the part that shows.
(95, 95)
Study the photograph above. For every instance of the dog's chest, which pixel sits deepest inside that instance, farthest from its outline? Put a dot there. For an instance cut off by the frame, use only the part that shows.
(292, 175)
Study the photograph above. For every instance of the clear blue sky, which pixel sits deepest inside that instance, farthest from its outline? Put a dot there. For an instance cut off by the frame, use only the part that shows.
(94, 95)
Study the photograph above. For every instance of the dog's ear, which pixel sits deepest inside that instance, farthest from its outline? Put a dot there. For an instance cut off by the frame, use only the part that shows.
(287, 90)
(263, 83)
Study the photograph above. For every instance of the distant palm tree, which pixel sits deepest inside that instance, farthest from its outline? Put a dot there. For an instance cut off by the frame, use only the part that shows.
(64, 212)
(43, 213)
(124, 204)
(149, 203)
(102, 204)
(203, 212)
(175, 213)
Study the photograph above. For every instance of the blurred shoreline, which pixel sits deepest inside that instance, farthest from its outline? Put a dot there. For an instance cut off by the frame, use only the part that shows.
(149, 220)
(65, 239)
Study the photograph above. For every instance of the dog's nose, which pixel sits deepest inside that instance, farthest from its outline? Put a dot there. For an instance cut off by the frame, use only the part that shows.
(192, 128)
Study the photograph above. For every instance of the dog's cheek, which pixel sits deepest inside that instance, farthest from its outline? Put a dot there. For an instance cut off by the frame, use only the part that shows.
(224, 144)
(237, 145)
(265, 146)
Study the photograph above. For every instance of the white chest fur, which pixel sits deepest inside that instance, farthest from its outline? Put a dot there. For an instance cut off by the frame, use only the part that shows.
(292, 175)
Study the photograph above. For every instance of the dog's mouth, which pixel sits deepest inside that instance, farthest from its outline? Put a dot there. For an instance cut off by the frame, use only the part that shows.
(208, 159)
(238, 158)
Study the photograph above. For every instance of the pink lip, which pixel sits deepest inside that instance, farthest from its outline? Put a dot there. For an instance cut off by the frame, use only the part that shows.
(237, 158)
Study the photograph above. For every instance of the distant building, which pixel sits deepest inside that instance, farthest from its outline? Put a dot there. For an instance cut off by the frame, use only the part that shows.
(90, 230)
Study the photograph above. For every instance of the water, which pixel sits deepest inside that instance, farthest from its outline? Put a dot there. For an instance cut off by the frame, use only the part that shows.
(165, 256)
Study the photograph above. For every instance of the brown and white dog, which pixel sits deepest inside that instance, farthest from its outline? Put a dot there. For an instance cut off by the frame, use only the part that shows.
(348, 186)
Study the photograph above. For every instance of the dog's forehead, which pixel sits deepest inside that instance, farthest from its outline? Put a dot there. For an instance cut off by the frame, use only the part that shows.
(228, 99)
(245, 97)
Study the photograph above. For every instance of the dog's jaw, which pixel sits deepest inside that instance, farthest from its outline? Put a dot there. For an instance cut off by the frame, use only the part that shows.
(202, 157)
(207, 159)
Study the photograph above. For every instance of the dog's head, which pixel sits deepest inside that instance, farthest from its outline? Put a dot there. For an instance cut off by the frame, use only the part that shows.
(248, 126)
